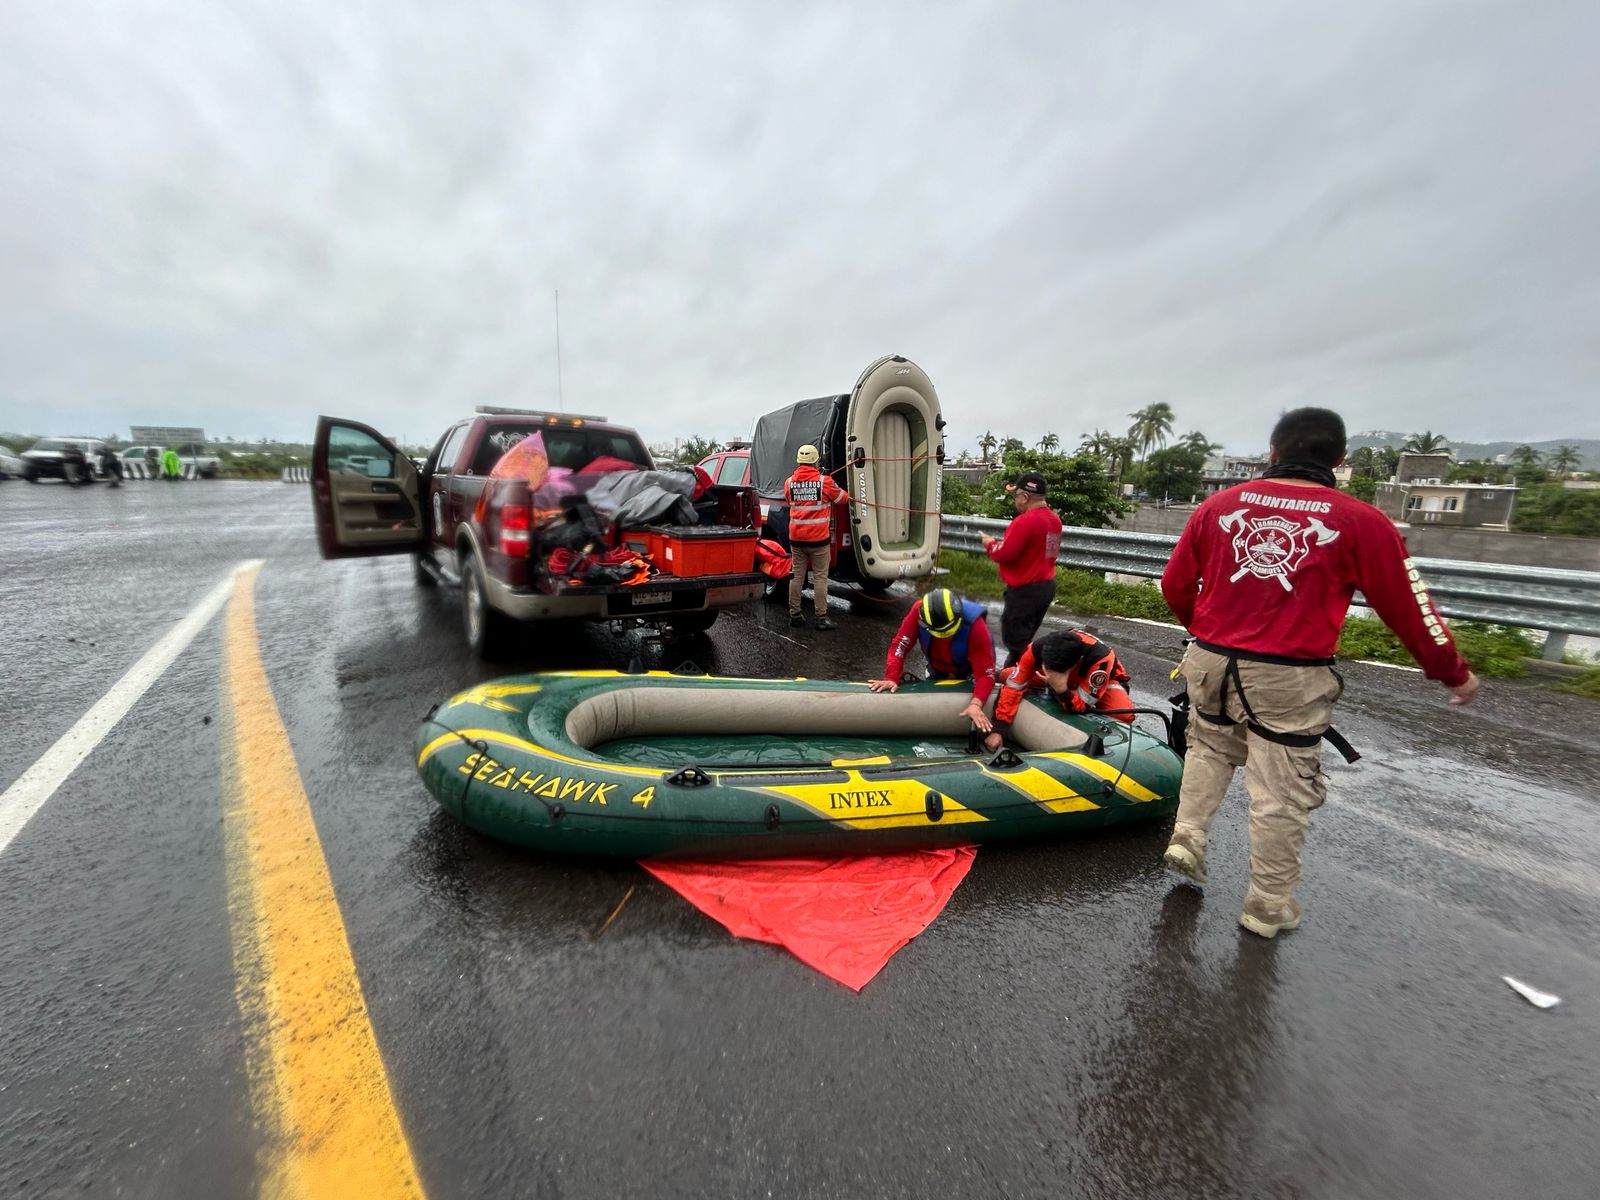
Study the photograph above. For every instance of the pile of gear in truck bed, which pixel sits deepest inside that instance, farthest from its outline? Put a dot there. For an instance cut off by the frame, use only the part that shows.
(612, 523)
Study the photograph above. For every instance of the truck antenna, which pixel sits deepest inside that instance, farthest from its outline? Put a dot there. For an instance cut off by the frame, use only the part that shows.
(561, 399)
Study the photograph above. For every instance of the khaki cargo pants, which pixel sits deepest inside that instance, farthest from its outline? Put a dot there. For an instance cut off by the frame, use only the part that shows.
(1285, 782)
(817, 558)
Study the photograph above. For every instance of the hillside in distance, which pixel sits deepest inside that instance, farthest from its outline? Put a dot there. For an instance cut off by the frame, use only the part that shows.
(1589, 448)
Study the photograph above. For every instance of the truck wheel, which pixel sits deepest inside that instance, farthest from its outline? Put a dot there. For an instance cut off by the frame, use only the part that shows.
(692, 623)
(485, 628)
(424, 576)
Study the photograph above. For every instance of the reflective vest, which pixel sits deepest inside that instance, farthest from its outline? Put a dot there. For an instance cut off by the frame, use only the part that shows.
(811, 496)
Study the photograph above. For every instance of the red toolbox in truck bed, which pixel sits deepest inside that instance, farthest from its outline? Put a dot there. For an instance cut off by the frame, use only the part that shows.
(696, 549)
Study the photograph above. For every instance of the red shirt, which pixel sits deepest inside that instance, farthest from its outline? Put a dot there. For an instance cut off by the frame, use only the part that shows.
(1027, 553)
(980, 655)
(1270, 567)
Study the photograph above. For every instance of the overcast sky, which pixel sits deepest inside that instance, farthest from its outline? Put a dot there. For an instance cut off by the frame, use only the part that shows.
(242, 213)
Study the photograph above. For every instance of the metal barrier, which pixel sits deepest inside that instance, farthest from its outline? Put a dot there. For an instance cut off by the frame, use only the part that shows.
(1542, 598)
(296, 475)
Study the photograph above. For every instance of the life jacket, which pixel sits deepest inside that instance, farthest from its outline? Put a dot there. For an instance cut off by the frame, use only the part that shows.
(774, 562)
(971, 611)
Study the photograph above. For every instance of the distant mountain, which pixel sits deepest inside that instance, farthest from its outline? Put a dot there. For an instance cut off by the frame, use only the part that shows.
(1589, 448)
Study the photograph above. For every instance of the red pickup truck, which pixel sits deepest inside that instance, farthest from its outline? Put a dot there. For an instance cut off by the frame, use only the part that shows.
(371, 499)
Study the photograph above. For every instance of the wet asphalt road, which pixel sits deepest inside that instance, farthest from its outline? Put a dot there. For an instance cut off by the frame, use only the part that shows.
(1074, 1023)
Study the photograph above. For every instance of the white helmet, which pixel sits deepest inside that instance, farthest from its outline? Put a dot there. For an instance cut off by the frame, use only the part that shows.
(807, 454)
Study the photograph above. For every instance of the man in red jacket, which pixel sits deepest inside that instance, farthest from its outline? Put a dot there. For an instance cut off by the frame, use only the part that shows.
(811, 496)
(1065, 662)
(954, 636)
(1262, 578)
(1027, 560)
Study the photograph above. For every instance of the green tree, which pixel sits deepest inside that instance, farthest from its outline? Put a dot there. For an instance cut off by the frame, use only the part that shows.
(1551, 508)
(1049, 442)
(958, 499)
(1363, 487)
(1119, 456)
(1426, 442)
(1530, 467)
(1174, 473)
(986, 445)
(1564, 459)
(1151, 426)
(1079, 490)
(1200, 444)
(692, 449)
(1009, 447)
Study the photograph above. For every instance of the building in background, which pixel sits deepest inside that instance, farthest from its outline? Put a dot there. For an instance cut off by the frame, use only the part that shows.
(1421, 494)
(1219, 473)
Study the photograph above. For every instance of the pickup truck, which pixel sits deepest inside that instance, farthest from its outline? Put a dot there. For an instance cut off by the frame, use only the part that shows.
(371, 499)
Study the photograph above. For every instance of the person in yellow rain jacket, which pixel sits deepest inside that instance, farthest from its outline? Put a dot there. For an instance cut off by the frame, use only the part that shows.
(811, 496)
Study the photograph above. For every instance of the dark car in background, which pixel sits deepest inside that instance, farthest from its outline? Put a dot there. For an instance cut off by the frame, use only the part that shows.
(73, 459)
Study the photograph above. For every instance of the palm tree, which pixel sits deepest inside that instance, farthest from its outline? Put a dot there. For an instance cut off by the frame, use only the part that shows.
(1426, 442)
(1151, 425)
(1564, 459)
(1049, 442)
(1119, 455)
(1526, 456)
(987, 444)
(1094, 443)
(1199, 444)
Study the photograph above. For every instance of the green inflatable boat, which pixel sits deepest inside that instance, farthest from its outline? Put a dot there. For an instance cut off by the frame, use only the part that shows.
(643, 766)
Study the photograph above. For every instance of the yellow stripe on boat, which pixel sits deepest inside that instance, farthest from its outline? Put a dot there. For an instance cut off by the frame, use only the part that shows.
(874, 804)
(1110, 772)
(1043, 788)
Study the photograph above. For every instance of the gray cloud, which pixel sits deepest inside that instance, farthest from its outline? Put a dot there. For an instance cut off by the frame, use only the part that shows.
(241, 216)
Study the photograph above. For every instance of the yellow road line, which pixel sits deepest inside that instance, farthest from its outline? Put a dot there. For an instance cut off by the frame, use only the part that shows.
(317, 1080)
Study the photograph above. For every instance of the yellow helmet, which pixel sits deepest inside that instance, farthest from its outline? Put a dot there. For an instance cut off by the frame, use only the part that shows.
(940, 612)
(807, 454)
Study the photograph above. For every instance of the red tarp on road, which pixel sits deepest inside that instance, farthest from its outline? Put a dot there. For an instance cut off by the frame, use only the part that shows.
(844, 916)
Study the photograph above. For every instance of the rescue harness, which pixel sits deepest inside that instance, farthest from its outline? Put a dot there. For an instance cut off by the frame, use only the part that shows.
(1230, 677)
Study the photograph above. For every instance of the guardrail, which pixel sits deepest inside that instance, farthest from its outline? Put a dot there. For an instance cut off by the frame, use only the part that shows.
(1557, 602)
(296, 475)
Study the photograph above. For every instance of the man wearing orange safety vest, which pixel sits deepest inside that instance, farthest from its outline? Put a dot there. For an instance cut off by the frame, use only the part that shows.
(811, 496)
(1065, 662)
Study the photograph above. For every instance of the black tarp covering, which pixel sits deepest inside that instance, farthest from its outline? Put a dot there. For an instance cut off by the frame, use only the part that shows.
(779, 434)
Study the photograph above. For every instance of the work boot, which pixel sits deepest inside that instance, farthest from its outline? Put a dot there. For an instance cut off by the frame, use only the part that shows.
(1186, 854)
(1266, 917)
(796, 620)
(825, 624)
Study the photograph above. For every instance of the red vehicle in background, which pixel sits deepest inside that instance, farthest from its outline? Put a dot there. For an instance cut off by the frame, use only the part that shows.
(370, 499)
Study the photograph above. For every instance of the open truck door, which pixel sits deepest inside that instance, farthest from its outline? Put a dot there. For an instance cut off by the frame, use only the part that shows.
(367, 494)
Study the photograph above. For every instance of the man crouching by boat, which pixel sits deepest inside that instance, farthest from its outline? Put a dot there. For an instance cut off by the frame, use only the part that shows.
(1262, 577)
(954, 636)
(1073, 665)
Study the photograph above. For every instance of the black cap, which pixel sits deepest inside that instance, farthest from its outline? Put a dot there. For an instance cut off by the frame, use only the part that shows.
(1029, 481)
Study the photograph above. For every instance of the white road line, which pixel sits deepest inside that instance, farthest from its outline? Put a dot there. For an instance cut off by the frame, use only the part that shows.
(38, 783)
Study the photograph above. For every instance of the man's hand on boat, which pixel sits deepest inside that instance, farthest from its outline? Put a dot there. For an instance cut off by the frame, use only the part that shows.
(974, 713)
(883, 685)
(1464, 691)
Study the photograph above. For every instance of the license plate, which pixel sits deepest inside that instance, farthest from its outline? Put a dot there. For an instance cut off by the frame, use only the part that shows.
(643, 598)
